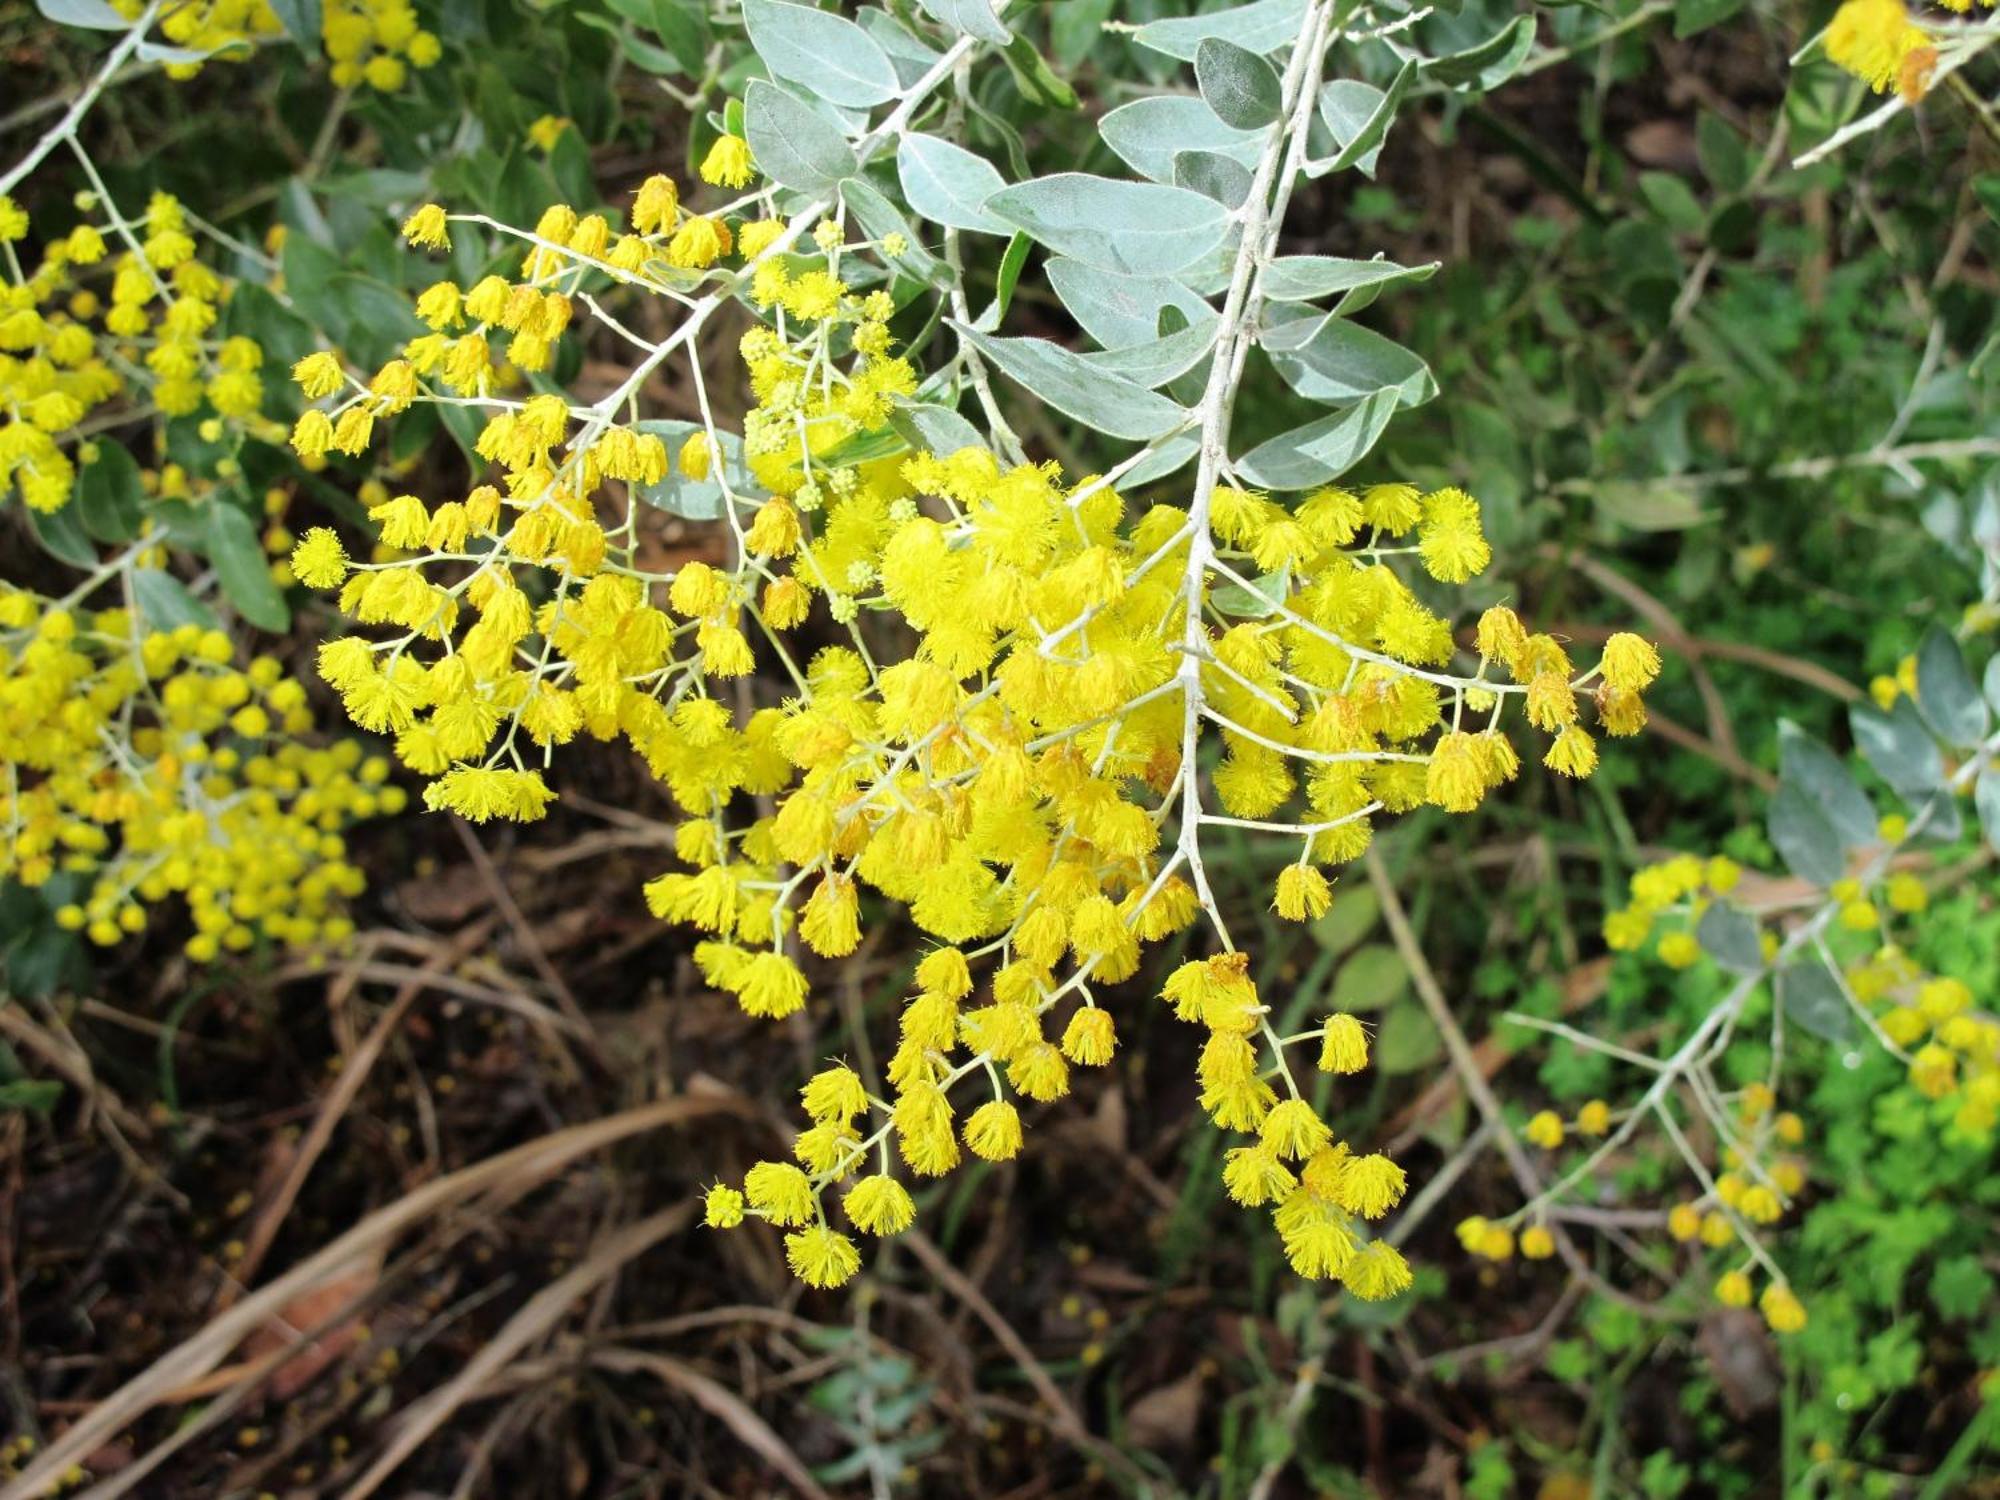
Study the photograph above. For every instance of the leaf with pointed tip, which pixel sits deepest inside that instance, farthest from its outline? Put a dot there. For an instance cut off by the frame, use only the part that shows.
(1322, 450)
(1804, 839)
(1241, 87)
(795, 146)
(1900, 748)
(1101, 400)
(947, 184)
(1489, 64)
(1307, 278)
(1165, 358)
(1117, 310)
(1358, 115)
(1731, 939)
(1945, 691)
(1261, 27)
(973, 17)
(243, 569)
(820, 51)
(1816, 771)
(1333, 360)
(1814, 1002)
(1148, 133)
(1140, 227)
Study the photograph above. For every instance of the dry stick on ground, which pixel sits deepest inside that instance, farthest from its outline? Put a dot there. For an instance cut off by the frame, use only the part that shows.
(196, 1356)
(720, 1402)
(544, 1020)
(1062, 1416)
(536, 1319)
(525, 933)
(1466, 1065)
(70, 1062)
(1515, 1348)
(355, 1073)
(234, 1386)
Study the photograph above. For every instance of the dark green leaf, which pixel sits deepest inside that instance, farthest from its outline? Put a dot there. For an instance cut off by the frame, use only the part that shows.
(1491, 63)
(1009, 276)
(1407, 1042)
(164, 602)
(1691, 16)
(1037, 81)
(62, 535)
(243, 570)
(301, 20)
(110, 499)
(1673, 200)
(1724, 158)
(36, 1096)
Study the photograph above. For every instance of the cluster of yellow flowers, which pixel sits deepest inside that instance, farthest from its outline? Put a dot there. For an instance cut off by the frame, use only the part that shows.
(1760, 1181)
(71, 344)
(1956, 1054)
(226, 27)
(140, 764)
(1878, 43)
(375, 42)
(1957, 1046)
(1758, 1184)
(1010, 778)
